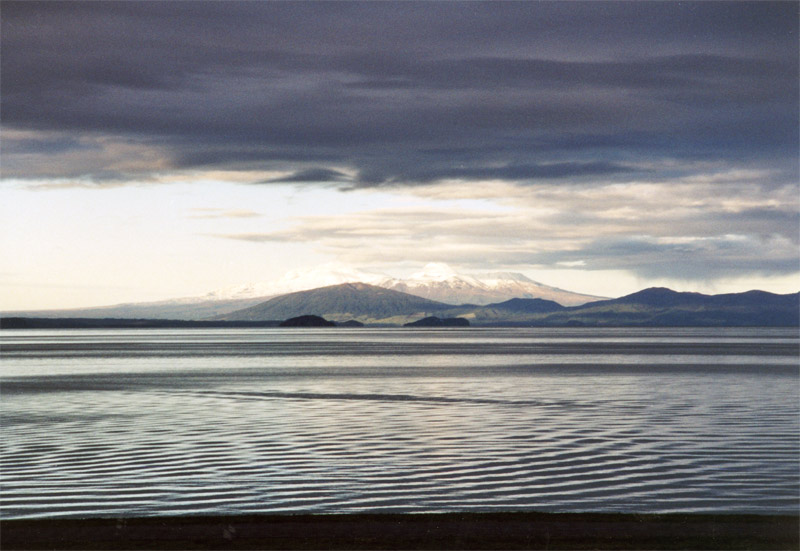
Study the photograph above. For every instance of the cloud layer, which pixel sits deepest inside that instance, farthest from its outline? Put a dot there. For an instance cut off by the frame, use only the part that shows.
(641, 228)
(401, 93)
(659, 138)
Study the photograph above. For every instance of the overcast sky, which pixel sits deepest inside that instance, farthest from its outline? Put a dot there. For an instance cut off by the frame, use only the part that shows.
(153, 150)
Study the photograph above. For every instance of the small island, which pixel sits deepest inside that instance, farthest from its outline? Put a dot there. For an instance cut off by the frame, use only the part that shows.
(307, 321)
(350, 323)
(433, 321)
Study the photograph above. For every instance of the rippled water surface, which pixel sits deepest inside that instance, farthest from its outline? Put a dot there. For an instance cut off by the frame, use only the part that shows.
(141, 422)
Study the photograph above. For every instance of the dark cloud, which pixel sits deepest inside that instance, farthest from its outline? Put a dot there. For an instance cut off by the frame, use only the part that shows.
(311, 175)
(403, 93)
(44, 145)
(695, 259)
(525, 171)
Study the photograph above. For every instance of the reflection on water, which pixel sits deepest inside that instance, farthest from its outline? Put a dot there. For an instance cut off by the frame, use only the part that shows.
(139, 422)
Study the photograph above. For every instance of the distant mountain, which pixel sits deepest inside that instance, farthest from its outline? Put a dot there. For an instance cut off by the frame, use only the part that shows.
(439, 282)
(662, 297)
(126, 323)
(653, 307)
(177, 309)
(374, 305)
(514, 311)
(490, 299)
(436, 281)
(526, 305)
(358, 301)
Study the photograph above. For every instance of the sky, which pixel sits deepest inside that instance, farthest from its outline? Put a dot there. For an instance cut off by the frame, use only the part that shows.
(153, 150)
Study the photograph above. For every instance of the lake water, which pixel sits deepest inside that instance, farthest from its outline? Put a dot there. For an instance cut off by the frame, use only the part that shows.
(156, 422)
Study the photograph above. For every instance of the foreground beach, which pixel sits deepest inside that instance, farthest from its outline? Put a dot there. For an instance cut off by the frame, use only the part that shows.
(415, 531)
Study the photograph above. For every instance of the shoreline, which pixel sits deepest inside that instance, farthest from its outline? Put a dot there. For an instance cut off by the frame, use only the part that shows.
(12, 322)
(506, 530)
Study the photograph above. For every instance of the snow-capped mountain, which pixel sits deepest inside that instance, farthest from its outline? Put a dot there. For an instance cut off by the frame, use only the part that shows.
(436, 281)
(439, 282)
(332, 273)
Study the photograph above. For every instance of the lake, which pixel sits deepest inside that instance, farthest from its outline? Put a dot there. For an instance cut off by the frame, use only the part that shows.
(228, 421)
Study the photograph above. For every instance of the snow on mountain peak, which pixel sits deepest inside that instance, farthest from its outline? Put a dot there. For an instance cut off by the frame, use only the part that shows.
(436, 281)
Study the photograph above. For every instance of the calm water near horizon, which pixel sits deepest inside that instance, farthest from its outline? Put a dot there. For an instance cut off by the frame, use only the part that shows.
(226, 421)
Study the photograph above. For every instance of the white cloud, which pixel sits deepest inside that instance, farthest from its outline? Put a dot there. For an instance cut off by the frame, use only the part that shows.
(222, 213)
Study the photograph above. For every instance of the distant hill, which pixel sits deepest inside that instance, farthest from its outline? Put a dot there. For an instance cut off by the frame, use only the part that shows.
(372, 305)
(514, 311)
(358, 301)
(350, 323)
(650, 307)
(654, 307)
(306, 321)
(433, 321)
(526, 305)
(662, 297)
(178, 309)
(126, 323)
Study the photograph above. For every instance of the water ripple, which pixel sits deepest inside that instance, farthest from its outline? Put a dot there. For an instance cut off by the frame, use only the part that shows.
(349, 438)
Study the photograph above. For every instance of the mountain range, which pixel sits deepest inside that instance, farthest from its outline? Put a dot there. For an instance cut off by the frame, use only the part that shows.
(436, 282)
(374, 305)
(506, 299)
(650, 307)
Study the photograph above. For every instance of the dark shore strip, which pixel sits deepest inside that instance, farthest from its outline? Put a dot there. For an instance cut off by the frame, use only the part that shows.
(410, 531)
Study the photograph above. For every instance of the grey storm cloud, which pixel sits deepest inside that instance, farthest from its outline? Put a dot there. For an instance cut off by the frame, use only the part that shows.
(311, 175)
(407, 92)
(697, 259)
